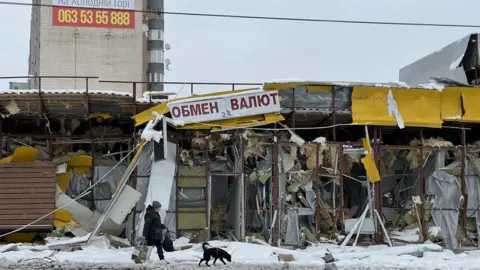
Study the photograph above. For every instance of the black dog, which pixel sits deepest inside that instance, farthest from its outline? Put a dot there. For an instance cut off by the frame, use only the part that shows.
(216, 253)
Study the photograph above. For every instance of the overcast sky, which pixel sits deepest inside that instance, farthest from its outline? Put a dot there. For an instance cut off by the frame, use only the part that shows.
(238, 50)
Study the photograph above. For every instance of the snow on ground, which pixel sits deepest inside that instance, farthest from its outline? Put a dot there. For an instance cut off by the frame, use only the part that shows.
(431, 260)
(99, 255)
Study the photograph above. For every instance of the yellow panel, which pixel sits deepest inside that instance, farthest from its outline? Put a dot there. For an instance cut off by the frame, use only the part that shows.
(80, 164)
(22, 154)
(369, 106)
(59, 223)
(6, 160)
(25, 154)
(369, 163)
(419, 107)
(80, 161)
(63, 179)
(63, 215)
(319, 88)
(146, 115)
(102, 115)
(470, 99)
(20, 237)
(273, 118)
(451, 103)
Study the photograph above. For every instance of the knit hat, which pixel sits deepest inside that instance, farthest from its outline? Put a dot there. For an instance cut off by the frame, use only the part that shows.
(156, 204)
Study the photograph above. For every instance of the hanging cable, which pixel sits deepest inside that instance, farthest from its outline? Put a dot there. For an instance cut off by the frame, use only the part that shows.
(251, 17)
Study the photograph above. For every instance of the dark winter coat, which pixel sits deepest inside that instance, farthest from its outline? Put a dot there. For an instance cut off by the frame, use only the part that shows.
(152, 230)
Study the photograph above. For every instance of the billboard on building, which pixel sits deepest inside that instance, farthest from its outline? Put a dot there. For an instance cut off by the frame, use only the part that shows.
(94, 13)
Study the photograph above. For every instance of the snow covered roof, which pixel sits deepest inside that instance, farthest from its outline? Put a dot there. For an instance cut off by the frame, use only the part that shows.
(433, 85)
(79, 92)
(72, 102)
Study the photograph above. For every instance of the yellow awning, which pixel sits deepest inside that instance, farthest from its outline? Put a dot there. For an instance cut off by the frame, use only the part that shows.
(418, 107)
(369, 106)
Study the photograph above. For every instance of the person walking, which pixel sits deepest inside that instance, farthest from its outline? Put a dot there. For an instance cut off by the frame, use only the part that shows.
(152, 230)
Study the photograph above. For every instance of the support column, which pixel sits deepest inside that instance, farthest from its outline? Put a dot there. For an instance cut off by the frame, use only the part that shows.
(243, 217)
(421, 186)
(275, 187)
(207, 187)
(464, 205)
(377, 185)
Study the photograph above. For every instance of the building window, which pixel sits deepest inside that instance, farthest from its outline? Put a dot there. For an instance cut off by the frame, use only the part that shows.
(155, 56)
(156, 77)
(155, 34)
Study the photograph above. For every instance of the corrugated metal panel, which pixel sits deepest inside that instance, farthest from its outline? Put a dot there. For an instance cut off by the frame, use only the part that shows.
(443, 63)
(27, 192)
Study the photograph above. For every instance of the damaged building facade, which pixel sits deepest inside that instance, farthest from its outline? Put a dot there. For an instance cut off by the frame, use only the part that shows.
(290, 163)
(307, 173)
(64, 151)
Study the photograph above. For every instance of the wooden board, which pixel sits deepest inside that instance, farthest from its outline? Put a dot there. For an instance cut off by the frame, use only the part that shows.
(27, 193)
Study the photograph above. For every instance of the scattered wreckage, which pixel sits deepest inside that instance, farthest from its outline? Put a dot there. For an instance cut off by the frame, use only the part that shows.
(235, 180)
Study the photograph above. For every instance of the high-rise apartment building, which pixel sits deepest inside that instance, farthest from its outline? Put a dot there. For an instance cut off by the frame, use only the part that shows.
(115, 40)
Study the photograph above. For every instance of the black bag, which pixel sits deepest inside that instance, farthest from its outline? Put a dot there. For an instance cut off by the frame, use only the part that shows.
(168, 243)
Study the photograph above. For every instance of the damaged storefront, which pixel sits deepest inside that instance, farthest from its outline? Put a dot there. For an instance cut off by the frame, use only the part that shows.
(338, 165)
(63, 155)
(252, 178)
(292, 163)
